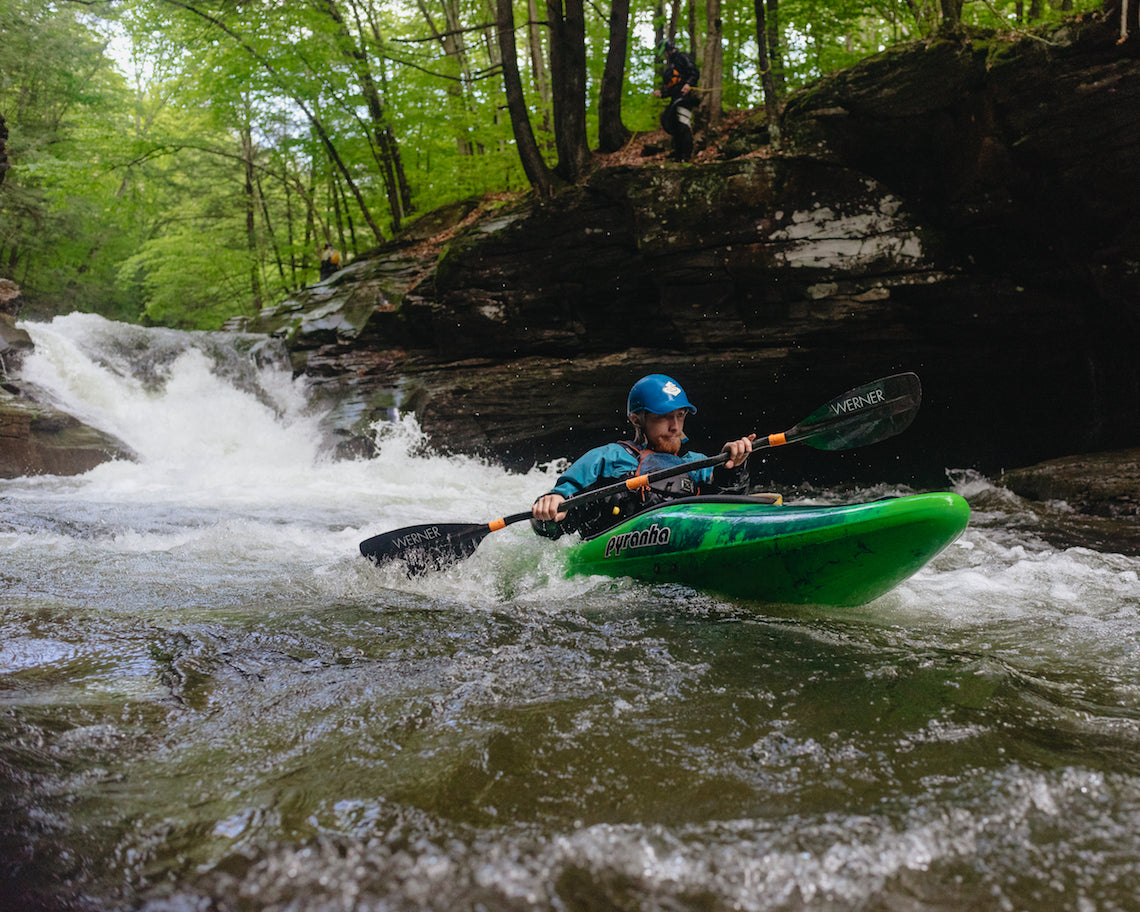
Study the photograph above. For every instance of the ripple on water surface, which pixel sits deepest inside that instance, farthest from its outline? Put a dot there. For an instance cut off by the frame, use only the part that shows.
(208, 699)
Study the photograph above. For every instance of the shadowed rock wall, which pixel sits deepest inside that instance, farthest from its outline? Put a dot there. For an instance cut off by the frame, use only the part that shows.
(962, 208)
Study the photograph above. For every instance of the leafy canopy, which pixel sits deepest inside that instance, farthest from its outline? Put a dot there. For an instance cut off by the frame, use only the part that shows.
(182, 161)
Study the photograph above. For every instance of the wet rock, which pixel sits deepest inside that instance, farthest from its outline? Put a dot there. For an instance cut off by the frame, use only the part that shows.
(1101, 484)
(14, 344)
(37, 439)
(10, 295)
(1090, 500)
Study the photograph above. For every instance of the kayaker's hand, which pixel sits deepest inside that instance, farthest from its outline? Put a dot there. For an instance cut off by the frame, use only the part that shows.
(738, 451)
(546, 508)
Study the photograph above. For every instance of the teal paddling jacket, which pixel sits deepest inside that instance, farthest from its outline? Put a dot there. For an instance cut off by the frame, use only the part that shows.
(615, 462)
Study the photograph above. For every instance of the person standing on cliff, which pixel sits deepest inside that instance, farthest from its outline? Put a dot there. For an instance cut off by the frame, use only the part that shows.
(330, 261)
(679, 76)
(657, 408)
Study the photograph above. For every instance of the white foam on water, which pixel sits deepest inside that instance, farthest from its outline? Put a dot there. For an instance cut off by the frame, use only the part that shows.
(235, 472)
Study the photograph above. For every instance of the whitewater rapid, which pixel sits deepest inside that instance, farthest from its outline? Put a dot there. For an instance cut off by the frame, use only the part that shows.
(231, 460)
(208, 697)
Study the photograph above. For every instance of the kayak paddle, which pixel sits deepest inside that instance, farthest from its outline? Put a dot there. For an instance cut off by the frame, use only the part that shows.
(861, 416)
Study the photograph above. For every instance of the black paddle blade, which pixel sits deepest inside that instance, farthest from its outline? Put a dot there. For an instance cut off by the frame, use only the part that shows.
(432, 546)
(862, 416)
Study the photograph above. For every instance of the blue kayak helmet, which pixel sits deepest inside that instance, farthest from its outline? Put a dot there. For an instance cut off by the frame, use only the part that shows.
(658, 394)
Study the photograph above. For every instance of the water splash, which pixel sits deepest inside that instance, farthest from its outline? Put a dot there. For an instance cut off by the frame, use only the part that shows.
(208, 698)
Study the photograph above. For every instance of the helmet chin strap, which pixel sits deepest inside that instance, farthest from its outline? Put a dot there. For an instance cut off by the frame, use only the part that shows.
(638, 428)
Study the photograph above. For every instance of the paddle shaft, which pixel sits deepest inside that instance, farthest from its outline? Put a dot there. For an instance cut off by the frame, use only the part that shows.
(846, 412)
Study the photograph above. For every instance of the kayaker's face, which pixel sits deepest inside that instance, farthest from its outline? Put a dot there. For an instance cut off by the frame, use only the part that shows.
(665, 433)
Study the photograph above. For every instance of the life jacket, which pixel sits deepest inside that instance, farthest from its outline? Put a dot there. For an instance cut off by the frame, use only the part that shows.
(595, 518)
(651, 461)
(678, 70)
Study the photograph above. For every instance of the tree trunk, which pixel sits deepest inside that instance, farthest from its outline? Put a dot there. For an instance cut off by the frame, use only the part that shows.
(387, 149)
(534, 166)
(404, 188)
(251, 216)
(271, 234)
(290, 237)
(776, 47)
(568, 80)
(491, 36)
(771, 102)
(538, 63)
(712, 63)
(612, 133)
(397, 158)
(302, 105)
(4, 166)
(310, 194)
(454, 49)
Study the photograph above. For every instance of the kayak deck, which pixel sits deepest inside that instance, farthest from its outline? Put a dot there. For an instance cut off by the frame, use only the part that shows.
(736, 546)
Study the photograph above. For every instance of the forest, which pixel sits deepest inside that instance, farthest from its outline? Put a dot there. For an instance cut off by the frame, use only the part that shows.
(182, 162)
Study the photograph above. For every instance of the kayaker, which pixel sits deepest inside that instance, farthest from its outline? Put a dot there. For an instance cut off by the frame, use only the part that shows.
(657, 408)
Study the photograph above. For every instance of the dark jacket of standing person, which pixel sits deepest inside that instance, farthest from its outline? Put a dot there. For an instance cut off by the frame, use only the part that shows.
(330, 261)
(679, 77)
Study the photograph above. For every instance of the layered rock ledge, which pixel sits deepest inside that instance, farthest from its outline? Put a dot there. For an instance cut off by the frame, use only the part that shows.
(1090, 500)
(963, 208)
(37, 439)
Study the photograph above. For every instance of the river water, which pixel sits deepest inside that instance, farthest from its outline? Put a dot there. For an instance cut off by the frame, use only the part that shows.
(209, 701)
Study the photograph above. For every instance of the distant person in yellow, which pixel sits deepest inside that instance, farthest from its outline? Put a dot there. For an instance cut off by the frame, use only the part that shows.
(330, 261)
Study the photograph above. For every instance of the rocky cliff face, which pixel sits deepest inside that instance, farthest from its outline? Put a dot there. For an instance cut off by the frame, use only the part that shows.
(962, 208)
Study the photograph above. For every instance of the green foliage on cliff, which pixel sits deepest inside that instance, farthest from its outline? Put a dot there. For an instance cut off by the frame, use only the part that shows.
(182, 161)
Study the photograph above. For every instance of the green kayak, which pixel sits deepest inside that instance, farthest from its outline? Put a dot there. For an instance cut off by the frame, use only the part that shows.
(737, 546)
